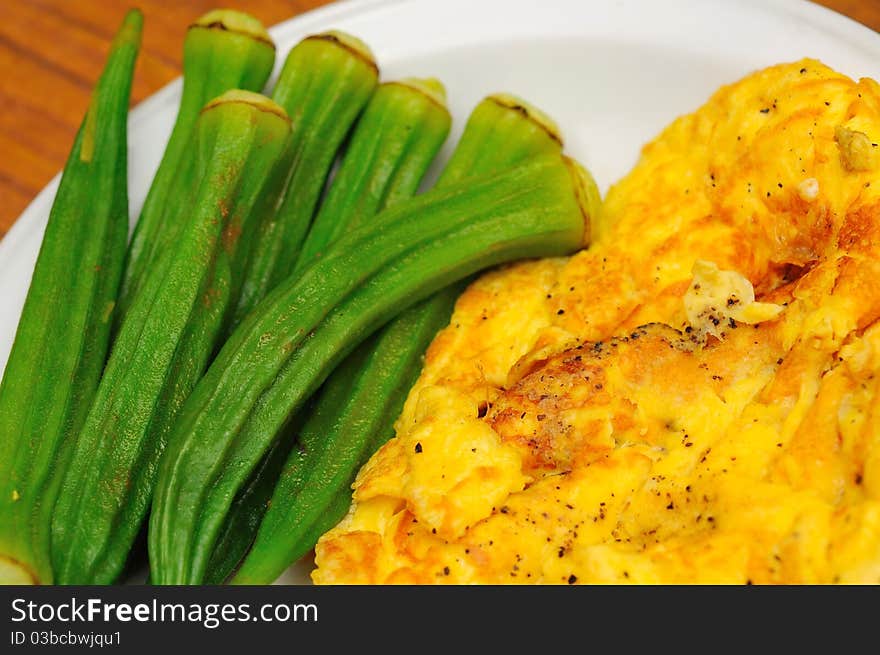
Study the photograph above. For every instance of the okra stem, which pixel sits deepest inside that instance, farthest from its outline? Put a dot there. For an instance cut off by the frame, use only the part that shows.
(63, 334)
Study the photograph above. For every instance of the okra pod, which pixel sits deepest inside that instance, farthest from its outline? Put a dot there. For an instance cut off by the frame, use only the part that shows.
(503, 130)
(247, 510)
(325, 83)
(63, 334)
(354, 414)
(163, 345)
(286, 348)
(223, 50)
(393, 143)
(400, 132)
(332, 448)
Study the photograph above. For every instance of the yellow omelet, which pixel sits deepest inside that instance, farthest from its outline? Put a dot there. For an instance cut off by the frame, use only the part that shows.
(691, 399)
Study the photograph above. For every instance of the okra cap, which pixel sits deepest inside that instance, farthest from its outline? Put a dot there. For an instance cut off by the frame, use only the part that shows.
(256, 100)
(587, 194)
(530, 111)
(349, 42)
(239, 22)
(430, 87)
(15, 573)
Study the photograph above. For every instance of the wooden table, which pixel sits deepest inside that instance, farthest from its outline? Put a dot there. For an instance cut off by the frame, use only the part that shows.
(52, 51)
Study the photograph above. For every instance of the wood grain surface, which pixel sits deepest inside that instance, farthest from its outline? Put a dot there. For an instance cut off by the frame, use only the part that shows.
(52, 51)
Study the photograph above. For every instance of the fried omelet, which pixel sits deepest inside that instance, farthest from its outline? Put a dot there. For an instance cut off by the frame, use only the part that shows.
(691, 399)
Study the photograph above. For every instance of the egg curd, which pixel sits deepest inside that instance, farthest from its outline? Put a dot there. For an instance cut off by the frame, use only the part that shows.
(691, 399)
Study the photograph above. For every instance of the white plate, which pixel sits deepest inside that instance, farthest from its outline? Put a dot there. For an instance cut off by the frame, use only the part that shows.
(611, 72)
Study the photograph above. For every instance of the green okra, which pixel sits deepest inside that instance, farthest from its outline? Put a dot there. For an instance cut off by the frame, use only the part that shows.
(503, 131)
(353, 416)
(223, 50)
(393, 143)
(246, 511)
(63, 334)
(325, 82)
(163, 344)
(400, 132)
(288, 345)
